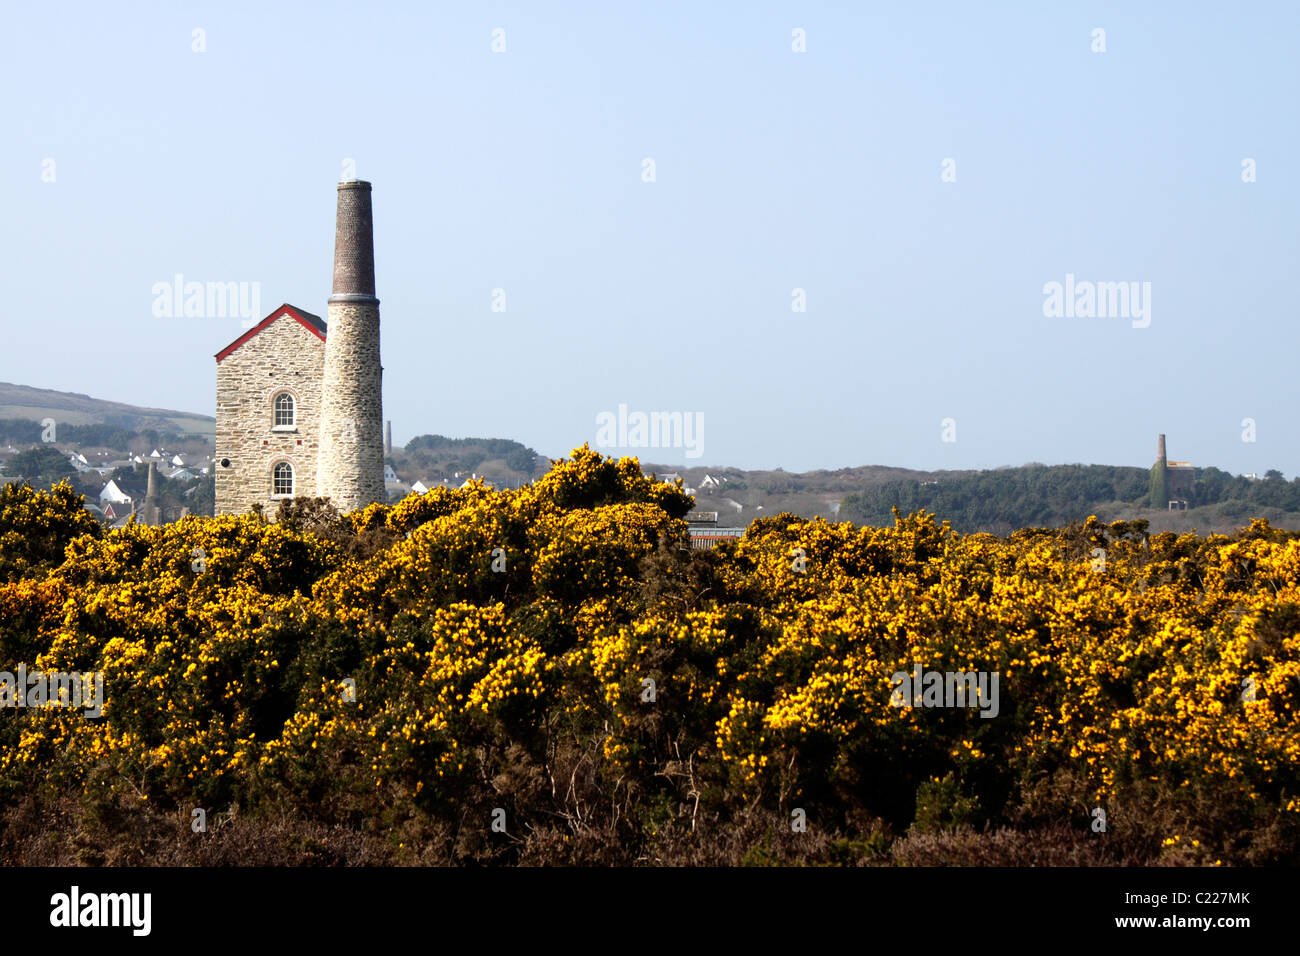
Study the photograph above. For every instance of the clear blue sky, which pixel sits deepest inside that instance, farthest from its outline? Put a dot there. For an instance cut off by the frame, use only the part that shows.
(775, 170)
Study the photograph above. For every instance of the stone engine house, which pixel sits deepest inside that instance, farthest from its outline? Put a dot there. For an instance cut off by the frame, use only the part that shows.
(299, 401)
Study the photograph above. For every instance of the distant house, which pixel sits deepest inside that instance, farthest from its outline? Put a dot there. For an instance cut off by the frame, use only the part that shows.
(155, 456)
(703, 538)
(671, 478)
(711, 482)
(112, 494)
(419, 488)
(390, 476)
(119, 520)
(108, 467)
(178, 461)
(118, 511)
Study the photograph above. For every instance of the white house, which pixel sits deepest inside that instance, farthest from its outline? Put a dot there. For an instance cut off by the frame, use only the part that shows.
(419, 488)
(112, 494)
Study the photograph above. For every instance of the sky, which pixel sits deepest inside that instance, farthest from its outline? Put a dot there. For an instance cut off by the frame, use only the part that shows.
(824, 233)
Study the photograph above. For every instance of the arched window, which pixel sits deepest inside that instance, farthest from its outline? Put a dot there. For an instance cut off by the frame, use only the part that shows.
(282, 480)
(284, 409)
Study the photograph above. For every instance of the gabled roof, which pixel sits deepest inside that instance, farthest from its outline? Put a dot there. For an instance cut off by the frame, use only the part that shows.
(312, 323)
(112, 492)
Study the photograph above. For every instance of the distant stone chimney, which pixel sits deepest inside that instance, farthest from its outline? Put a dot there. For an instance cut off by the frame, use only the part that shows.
(152, 503)
(388, 438)
(1160, 449)
(351, 462)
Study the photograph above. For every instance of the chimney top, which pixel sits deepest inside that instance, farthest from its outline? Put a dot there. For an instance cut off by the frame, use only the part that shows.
(354, 245)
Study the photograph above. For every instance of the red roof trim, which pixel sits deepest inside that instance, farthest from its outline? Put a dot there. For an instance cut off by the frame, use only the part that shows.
(285, 309)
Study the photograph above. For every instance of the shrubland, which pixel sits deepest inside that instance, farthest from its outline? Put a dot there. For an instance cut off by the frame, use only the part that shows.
(551, 675)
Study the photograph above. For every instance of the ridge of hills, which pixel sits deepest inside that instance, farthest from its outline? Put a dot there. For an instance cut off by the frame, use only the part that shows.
(997, 500)
(74, 408)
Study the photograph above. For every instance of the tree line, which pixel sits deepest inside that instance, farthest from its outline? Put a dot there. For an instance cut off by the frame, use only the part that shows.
(1003, 500)
(25, 431)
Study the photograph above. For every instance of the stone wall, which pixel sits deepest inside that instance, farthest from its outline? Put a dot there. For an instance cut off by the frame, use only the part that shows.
(1180, 481)
(351, 463)
(283, 357)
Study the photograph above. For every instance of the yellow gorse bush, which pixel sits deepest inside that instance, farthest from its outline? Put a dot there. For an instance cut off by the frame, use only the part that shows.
(247, 661)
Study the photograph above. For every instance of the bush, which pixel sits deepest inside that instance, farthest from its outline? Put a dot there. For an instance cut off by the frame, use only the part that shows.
(388, 682)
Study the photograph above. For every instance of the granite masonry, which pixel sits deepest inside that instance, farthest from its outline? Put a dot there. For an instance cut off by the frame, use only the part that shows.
(299, 406)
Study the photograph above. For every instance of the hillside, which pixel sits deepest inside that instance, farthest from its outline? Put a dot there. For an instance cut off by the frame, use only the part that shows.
(997, 501)
(994, 500)
(436, 459)
(72, 408)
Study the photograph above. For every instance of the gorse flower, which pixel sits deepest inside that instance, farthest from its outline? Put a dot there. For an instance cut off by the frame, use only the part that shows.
(504, 626)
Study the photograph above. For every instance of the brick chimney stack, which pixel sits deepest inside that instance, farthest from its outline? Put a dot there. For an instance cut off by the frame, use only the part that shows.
(1160, 449)
(351, 460)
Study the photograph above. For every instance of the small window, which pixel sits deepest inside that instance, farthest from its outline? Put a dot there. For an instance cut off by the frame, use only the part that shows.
(282, 481)
(284, 409)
